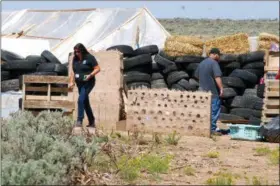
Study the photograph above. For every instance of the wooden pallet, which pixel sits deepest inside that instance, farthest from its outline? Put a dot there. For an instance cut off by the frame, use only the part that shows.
(47, 93)
(271, 60)
(271, 100)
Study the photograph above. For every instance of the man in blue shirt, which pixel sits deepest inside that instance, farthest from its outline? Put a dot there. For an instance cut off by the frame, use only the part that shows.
(209, 75)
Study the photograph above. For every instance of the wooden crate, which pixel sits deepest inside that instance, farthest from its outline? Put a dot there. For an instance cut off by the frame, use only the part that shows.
(271, 61)
(47, 93)
(271, 100)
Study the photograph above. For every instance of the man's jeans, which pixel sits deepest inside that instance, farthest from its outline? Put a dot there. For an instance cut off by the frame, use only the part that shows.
(83, 102)
(216, 109)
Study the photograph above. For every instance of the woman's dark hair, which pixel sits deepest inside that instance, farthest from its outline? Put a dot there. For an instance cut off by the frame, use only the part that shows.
(83, 50)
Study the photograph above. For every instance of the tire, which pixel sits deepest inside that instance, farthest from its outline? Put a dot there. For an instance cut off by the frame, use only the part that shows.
(50, 57)
(250, 92)
(234, 82)
(177, 87)
(227, 58)
(163, 61)
(232, 65)
(185, 84)
(194, 83)
(224, 109)
(189, 59)
(46, 67)
(260, 90)
(143, 68)
(229, 93)
(21, 65)
(126, 50)
(150, 49)
(144, 59)
(258, 72)
(155, 67)
(61, 69)
(174, 77)
(245, 112)
(10, 56)
(156, 76)
(254, 121)
(136, 85)
(251, 56)
(245, 76)
(246, 101)
(5, 75)
(10, 85)
(164, 55)
(169, 69)
(191, 66)
(132, 77)
(256, 65)
(158, 84)
(258, 105)
(224, 116)
(35, 59)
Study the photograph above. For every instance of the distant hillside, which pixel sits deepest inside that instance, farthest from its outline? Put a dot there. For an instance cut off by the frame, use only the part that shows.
(219, 27)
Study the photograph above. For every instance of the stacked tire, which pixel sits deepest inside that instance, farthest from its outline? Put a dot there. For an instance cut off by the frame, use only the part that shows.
(242, 99)
(13, 66)
(137, 65)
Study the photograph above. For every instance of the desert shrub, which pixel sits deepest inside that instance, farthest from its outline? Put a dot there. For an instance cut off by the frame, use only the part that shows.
(41, 150)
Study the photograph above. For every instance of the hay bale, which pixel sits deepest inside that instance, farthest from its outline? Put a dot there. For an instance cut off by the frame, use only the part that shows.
(174, 53)
(187, 39)
(264, 45)
(265, 41)
(184, 48)
(268, 37)
(233, 44)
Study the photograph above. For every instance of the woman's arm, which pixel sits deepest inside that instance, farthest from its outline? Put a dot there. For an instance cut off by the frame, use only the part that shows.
(95, 71)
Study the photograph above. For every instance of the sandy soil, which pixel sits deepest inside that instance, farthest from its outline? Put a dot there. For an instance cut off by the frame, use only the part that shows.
(235, 157)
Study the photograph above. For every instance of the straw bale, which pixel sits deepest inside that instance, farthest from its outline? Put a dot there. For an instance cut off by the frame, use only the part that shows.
(185, 48)
(187, 39)
(174, 53)
(268, 37)
(265, 44)
(232, 44)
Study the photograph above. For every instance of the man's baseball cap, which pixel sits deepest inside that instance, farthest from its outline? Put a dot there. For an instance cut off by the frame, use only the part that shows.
(215, 51)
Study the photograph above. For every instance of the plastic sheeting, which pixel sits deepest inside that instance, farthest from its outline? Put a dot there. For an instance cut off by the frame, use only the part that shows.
(97, 29)
(25, 47)
(9, 103)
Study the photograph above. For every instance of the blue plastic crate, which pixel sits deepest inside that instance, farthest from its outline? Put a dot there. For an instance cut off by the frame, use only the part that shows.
(245, 132)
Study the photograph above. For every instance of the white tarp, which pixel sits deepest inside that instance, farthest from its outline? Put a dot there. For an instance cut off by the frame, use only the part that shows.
(9, 102)
(97, 29)
(25, 47)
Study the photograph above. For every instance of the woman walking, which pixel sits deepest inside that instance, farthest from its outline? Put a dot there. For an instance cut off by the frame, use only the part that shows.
(84, 69)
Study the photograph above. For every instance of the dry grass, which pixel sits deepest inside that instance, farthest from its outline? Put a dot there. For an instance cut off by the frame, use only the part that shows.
(212, 154)
(232, 44)
(265, 40)
(195, 41)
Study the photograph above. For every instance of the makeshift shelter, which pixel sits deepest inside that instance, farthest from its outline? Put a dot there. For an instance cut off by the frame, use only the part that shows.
(97, 28)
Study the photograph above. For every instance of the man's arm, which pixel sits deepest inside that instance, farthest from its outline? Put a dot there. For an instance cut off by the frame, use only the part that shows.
(218, 74)
(219, 84)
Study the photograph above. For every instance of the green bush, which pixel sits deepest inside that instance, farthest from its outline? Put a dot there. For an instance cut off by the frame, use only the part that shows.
(41, 150)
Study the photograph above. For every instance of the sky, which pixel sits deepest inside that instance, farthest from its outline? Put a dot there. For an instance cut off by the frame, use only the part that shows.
(167, 9)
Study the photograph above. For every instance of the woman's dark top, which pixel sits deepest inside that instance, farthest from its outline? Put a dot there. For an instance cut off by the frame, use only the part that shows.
(83, 68)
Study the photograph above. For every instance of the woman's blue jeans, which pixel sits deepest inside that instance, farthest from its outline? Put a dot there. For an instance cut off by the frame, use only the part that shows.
(216, 109)
(84, 103)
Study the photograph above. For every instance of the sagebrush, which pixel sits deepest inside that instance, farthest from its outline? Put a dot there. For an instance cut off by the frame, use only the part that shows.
(41, 150)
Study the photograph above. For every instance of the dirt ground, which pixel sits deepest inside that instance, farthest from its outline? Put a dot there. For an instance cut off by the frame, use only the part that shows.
(236, 157)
